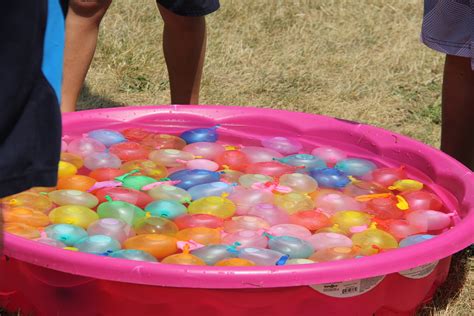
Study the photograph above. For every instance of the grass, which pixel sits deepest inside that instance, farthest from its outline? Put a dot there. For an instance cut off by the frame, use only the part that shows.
(455, 296)
(356, 60)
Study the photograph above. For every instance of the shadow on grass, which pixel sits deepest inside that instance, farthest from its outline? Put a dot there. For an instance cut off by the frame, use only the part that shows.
(448, 292)
(88, 100)
(5, 313)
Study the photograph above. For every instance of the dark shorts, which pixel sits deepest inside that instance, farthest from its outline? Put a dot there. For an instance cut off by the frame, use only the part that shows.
(190, 7)
(30, 120)
(179, 7)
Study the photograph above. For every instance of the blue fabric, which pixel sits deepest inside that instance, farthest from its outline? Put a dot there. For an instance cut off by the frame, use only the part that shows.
(53, 54)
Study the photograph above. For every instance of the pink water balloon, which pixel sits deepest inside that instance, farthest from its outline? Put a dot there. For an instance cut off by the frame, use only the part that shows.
(333, 202)
(112, 227)
(198, 220)
(260, 154)
(422, 200)
(270, 168)
(401, 229)
(204, 164)
(205, 150)
(429, 219)
(269, 212)
(387, 176)
(290, 230)
(85, 146)
(329, 240)
(245, 198)
(246, 238)
(385, 208)
(283, 145)
(170, 157)
(63, 146)
(98, 160)
(238, 223)
(329, 154)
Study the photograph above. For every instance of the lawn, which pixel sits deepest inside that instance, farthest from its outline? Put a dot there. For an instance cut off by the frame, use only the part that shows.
(356, 60)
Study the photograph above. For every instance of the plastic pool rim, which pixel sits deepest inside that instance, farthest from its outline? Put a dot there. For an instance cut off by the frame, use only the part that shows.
(99, 267)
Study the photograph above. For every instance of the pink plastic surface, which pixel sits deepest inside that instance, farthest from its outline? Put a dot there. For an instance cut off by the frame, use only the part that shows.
(450, 180)
(47, 292)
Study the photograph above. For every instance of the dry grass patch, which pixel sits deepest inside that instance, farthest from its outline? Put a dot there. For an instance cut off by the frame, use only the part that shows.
(357, 60)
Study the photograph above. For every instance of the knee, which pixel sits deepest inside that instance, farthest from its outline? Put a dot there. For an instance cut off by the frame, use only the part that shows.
(90, 9)
(180, 23)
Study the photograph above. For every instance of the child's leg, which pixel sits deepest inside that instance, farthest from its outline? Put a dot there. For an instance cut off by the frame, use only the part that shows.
(184, 46)
(82, 28)
(457, 136)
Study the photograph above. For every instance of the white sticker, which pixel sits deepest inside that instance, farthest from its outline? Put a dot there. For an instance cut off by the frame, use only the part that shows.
(419, 272)
(348, 288)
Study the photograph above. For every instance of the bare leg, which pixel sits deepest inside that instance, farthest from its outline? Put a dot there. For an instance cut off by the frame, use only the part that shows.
(82, 28)
(184, 46)
(457, 136)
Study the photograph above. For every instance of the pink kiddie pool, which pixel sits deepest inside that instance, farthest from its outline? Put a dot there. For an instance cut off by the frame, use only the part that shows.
(50, 281)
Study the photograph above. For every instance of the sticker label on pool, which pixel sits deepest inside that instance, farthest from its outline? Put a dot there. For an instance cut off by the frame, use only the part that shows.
(348, 288)
(419, 272)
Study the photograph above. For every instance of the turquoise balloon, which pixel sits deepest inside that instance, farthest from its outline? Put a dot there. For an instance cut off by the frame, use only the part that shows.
(355, 166)
(166, 208)
(98, 245)
(133, 254)
(66, 233)
(293, 247)
(303, 160)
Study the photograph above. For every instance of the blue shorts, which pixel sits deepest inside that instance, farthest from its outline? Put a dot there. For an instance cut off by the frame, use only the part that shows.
(190, 7)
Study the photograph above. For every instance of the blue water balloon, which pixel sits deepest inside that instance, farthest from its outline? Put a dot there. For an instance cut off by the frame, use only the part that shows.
(414, 239)
(189, 178)
(330, 178)
(210, 189)
(107, 137)
(200, 135)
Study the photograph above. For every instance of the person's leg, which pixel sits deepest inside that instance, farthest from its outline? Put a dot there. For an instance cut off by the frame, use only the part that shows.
(82, 27)
(457, 135)
(184, 46)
